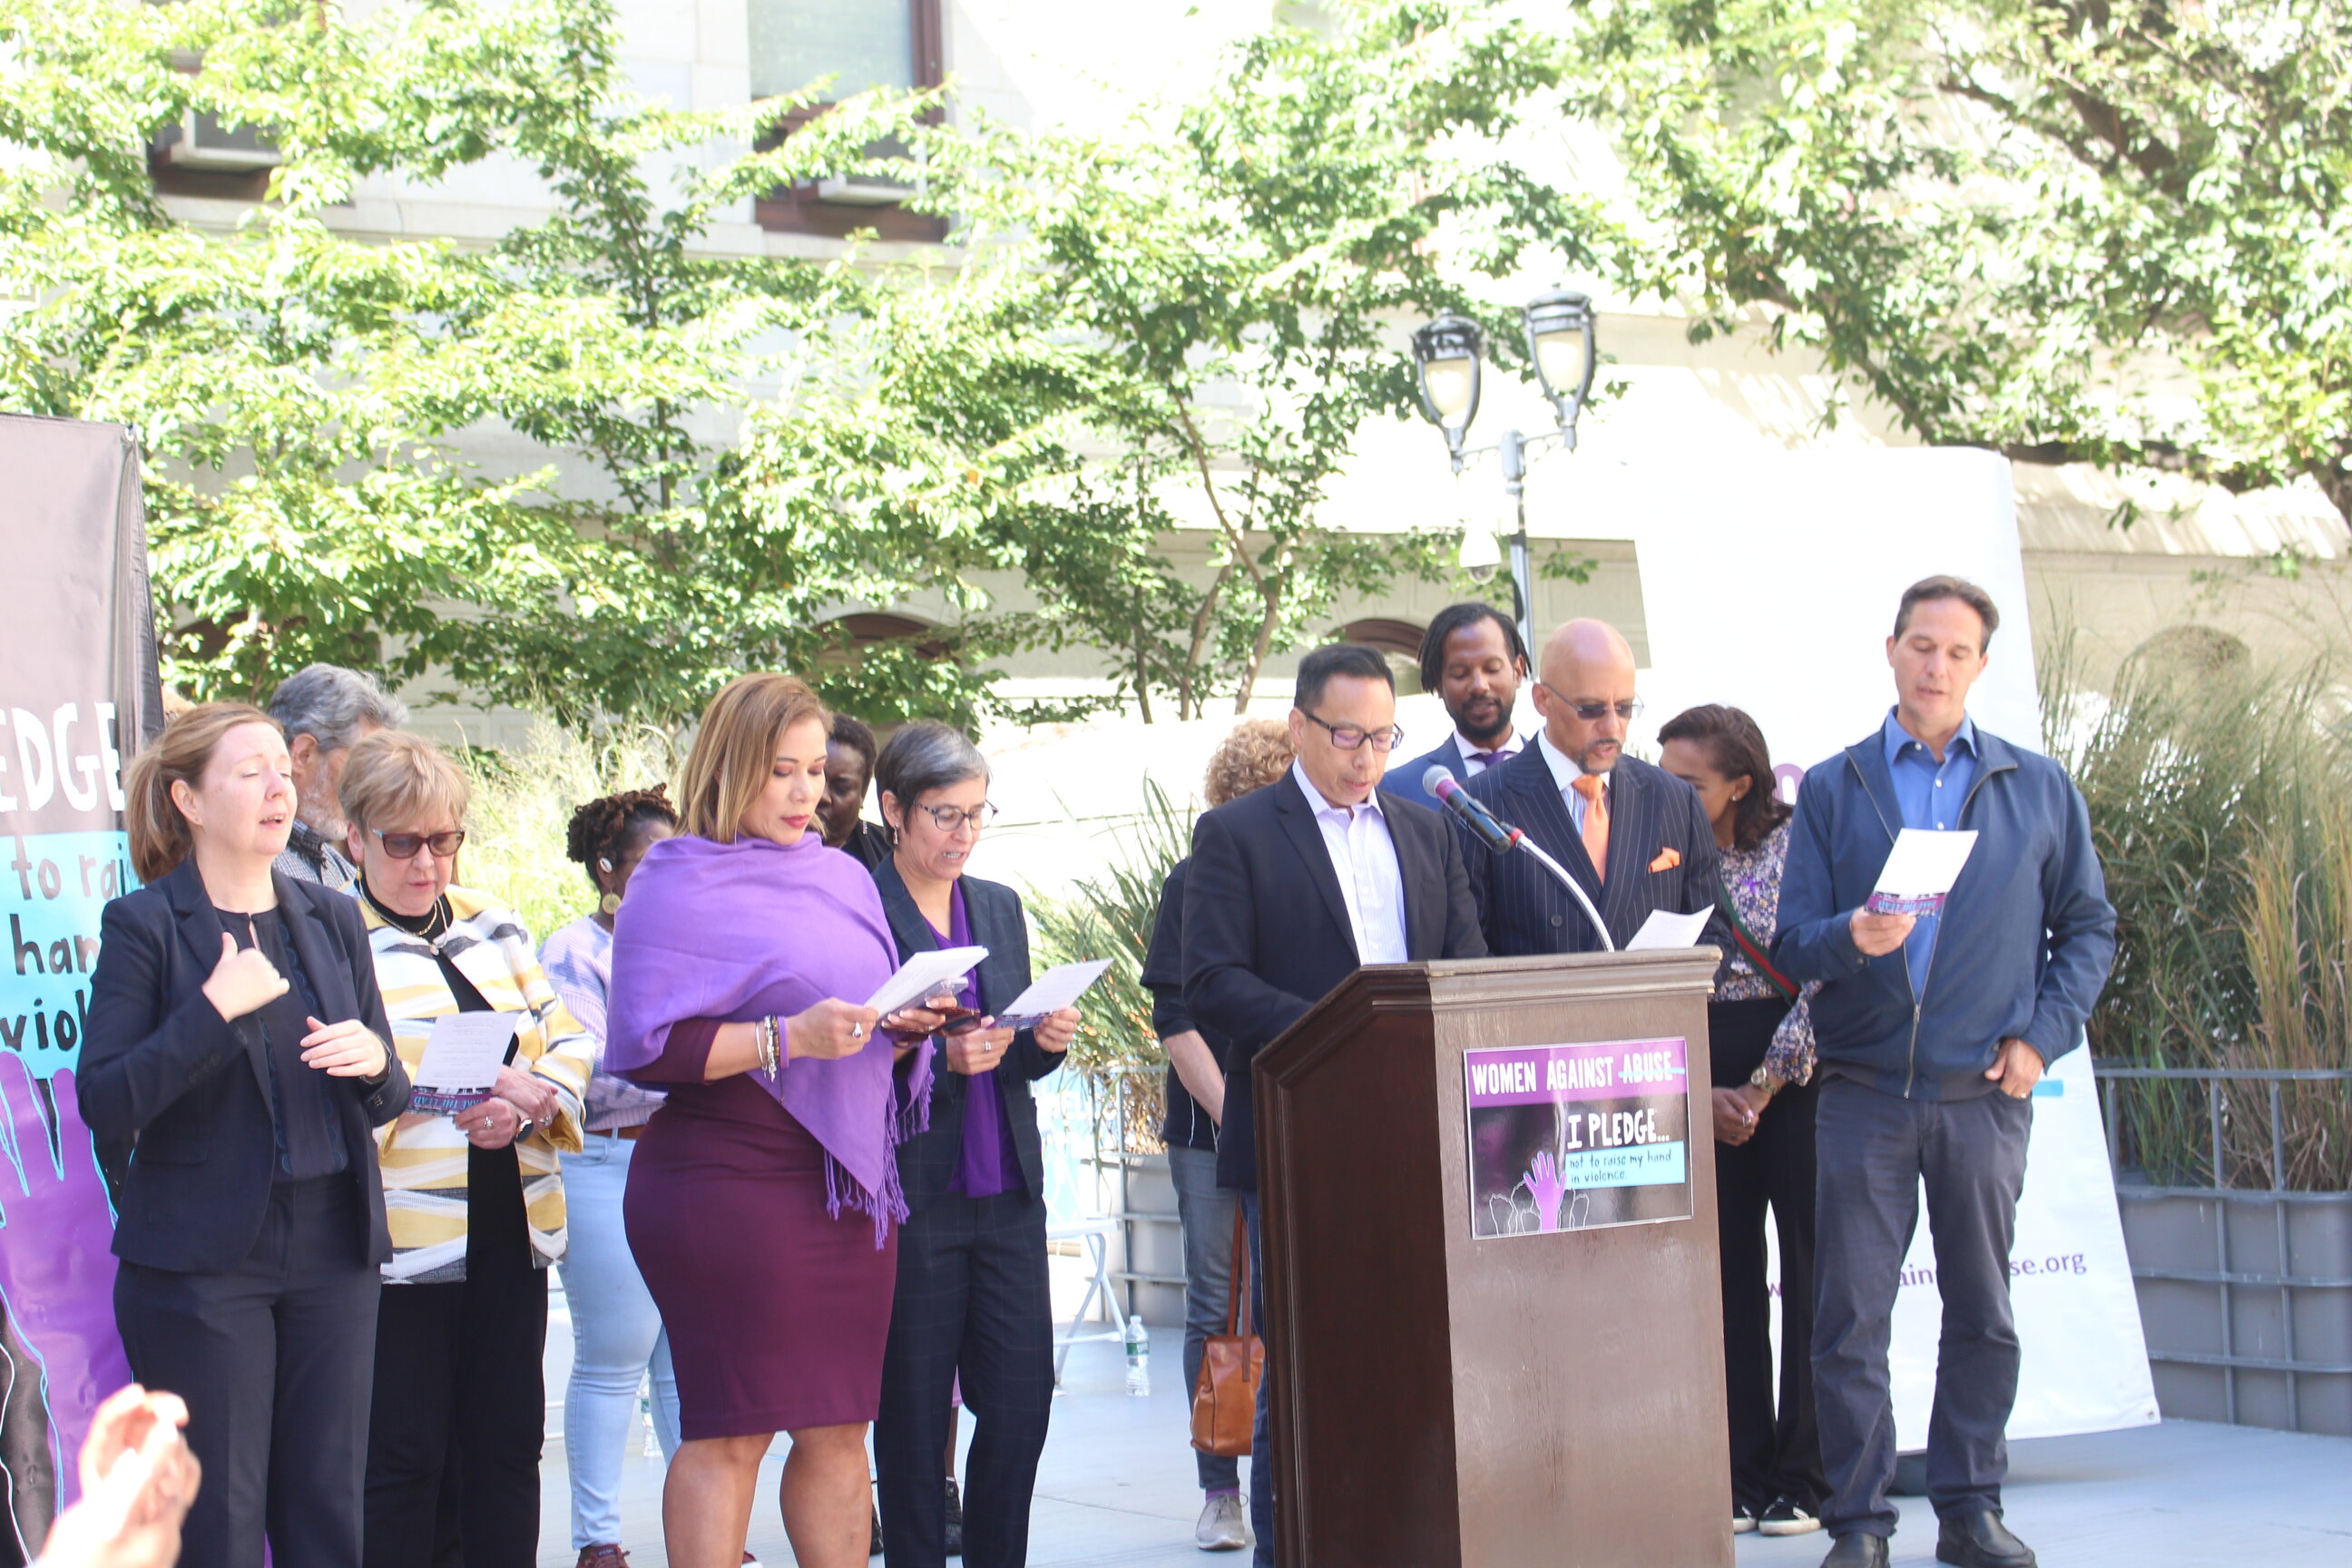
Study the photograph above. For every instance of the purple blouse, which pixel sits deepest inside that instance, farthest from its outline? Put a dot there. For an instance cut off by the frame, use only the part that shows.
(988, 1165)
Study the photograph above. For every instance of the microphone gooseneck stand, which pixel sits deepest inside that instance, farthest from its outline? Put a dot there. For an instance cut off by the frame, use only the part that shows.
(1571, 883)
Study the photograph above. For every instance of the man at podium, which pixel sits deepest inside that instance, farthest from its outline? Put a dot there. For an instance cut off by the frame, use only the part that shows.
(1634, 837)
(1294, 886)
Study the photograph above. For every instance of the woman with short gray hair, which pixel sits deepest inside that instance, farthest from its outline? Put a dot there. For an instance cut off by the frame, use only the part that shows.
(325, 711)
(972, 1293)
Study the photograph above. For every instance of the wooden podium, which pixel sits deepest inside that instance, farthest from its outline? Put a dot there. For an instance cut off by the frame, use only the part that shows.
(1455, 1386)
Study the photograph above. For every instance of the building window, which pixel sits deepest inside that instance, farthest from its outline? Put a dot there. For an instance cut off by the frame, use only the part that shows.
(881, 43)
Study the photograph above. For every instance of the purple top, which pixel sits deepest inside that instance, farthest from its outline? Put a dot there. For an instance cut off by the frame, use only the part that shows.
(757, 930)
(988, 1165)
(579, 964)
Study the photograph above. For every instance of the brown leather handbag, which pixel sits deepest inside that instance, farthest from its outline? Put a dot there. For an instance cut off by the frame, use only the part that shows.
(1224, 1399)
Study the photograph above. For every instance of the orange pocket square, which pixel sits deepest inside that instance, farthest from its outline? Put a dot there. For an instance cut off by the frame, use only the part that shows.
(1667, 860)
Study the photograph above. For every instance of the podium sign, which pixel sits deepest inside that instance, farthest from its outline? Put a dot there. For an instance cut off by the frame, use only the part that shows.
(1453, 1384)
(1577, 1137)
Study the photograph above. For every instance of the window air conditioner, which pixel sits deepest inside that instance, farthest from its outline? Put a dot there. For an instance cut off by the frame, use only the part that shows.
(200, 142)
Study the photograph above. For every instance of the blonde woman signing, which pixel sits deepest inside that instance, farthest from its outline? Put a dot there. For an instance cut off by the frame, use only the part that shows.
(763, 1200)
(476, 1200)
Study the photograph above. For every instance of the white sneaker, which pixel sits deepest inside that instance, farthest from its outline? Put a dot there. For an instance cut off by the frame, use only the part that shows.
(1225, 1524)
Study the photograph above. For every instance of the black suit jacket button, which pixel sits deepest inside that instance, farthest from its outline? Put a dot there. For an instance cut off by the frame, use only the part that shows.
(1554, 920)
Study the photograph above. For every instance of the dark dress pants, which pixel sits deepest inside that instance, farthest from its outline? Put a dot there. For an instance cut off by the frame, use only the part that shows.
(973, 1295)
(460, 1401)
(272, 1357)
(1776, 1448)
(1874, 1150)
(1261, 1493)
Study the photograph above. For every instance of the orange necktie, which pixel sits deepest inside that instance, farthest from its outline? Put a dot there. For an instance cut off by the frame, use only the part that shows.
(1596, 821)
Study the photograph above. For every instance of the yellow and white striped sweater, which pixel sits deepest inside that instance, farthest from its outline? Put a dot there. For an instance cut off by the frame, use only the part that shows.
(423, 1157)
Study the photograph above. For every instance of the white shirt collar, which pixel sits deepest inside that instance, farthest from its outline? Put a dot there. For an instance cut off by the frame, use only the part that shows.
(1508, 746)
(1564, 773)
(1320, 806)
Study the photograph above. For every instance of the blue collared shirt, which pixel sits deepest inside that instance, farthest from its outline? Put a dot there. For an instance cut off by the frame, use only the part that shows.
(1929, 796)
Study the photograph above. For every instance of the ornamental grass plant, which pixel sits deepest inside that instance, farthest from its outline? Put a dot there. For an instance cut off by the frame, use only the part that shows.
(1118, 1052)
(2221, 801)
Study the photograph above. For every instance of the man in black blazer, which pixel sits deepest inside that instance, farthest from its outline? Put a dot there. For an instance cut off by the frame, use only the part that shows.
(1293, 887)
(1473, 658)
(1574, 790)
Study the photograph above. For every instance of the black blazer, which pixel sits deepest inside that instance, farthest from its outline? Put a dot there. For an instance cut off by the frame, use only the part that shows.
(927, 1161)
(1266, 933)
(1523, 910)
(178, 1098)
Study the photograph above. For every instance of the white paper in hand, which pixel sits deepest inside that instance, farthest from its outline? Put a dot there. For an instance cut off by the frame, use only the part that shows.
(461, 1061)
(934, 974)
(1919, 871)
(1058, 988)
(1666, 928)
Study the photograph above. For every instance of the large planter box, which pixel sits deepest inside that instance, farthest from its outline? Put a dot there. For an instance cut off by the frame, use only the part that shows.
(2246, 1298)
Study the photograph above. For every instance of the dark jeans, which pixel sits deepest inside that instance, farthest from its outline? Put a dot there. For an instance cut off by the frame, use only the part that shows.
(973, 1297)
(1205, 1212)
(460, 1401)
(1874, 1150)
(272, 1358)
(1262, 1464)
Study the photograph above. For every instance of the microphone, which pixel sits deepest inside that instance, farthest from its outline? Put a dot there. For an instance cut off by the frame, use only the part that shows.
(1495, 835)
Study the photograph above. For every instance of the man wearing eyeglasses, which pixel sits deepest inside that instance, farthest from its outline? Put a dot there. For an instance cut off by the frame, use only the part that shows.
(1293, 887)
(1634, 837)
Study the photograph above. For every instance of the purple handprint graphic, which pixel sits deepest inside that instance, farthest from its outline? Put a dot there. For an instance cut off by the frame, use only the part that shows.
(57, 1273)
(1546, 1186)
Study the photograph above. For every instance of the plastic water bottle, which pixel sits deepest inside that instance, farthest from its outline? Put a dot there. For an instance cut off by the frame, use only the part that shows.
(646, 1410)
(1138, 1359)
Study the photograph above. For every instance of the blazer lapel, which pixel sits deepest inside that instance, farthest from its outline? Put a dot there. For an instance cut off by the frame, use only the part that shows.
(1545, 815)
(1630, 828)
(200, 928)
(1422, 873)
(1297, 819)
(912, 932)
(330, 973)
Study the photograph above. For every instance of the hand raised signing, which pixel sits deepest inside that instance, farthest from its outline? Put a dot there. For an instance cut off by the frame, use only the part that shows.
(242, 981)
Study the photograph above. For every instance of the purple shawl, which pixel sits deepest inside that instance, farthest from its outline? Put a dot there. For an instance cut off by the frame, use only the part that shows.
(753, 930)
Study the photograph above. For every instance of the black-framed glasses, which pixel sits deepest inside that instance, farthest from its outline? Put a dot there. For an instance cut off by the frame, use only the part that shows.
(407, 845)
(953, 818)
(1348, 737)
(1588, 712)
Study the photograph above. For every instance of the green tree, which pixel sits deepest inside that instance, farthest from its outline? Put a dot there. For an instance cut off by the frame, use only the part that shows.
(302, 391)
(2069, 229)
(1238, 274)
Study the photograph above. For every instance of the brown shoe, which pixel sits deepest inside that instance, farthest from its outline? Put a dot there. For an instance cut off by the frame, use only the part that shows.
(602, 1555)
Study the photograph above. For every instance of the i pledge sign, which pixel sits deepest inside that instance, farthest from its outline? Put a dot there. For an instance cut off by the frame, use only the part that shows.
(77, 692)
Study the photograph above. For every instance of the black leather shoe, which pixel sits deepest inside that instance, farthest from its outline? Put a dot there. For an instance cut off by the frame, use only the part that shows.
(1857, 1551)
(1980, 1539)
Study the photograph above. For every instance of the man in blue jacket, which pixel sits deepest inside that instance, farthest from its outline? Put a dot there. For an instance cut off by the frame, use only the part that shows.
(1933, 1030)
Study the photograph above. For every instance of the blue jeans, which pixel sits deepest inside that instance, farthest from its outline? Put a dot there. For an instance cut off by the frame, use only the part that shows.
(1262, 1465)
(617, 1333)
(1206, 1213)
(1872, 1154)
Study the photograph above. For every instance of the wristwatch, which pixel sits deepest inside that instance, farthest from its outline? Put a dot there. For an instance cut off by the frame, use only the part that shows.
(1762, 1078)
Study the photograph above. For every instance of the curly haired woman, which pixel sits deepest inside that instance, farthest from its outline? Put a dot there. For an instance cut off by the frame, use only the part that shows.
(616, 1332)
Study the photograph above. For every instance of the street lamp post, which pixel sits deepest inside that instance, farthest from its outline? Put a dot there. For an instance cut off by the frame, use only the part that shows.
(1446, 354)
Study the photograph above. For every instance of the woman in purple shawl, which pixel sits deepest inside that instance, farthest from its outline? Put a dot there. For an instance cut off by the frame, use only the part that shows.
(763, 1199)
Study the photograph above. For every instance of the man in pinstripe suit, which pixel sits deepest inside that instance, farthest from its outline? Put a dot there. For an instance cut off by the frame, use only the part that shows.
(1633, 835)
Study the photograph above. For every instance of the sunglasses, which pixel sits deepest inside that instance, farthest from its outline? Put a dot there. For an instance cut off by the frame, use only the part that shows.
(407, 845)
(1588, 712)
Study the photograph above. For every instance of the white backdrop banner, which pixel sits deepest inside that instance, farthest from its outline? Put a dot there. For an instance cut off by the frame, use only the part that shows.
(1775, 591)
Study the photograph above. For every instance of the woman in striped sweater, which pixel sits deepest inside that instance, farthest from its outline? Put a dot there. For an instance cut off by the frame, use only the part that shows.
(475, 1200)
